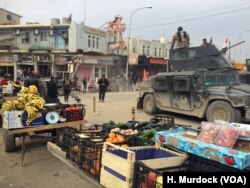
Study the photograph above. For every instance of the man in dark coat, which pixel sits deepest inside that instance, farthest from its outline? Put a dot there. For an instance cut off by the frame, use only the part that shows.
(103, 85)
(52, 88)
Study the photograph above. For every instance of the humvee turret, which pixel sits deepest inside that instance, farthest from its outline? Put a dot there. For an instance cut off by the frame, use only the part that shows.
(202, 84)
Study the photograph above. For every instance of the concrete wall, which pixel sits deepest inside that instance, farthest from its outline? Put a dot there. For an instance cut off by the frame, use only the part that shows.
(10, 19)
(138, 44)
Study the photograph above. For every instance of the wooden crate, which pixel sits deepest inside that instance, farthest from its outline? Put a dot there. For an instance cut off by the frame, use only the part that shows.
(117, 164)
(119, 172)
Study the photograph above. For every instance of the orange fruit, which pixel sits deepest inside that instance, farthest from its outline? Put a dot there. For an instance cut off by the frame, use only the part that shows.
(115, 140)
(109, 140)
(112, 135)
(120, 138)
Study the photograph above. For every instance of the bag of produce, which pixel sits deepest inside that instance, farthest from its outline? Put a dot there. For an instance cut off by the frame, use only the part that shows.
(227, 137)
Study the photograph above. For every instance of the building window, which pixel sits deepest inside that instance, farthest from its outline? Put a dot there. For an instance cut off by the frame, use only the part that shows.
(25, 37)
(155, 52)
(93, 42)
(43, 36)
(89, 41)
(9, 17)
(159, 52)
(134, 50)
(148, 51)
(96, 73)
(97, 42)
(143, 50)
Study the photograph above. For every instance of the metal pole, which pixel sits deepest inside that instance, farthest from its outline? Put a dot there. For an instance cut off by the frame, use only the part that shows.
(239, 37)
(129, 28)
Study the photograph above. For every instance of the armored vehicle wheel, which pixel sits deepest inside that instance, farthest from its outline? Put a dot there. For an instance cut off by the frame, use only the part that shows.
(149, 105)
(222, 110)
(9, 141)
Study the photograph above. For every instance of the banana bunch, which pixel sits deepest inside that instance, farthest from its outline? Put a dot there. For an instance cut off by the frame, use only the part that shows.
(37, 102)
(8, 106)
(28, 100)
(33, 89)
(24, 90)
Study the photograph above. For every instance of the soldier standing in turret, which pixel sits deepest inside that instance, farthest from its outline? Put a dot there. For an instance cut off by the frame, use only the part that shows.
(181, 39)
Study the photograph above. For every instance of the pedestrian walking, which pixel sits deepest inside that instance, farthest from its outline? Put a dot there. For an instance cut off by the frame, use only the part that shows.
(42, 88)
(84, 83)
(103, 85)
(67, 87)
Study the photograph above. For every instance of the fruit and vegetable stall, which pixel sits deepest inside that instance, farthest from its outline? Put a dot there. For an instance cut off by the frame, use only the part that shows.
(135, 153)
(30, 114)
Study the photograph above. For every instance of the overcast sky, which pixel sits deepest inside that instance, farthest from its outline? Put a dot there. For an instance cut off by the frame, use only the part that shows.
(218, 19)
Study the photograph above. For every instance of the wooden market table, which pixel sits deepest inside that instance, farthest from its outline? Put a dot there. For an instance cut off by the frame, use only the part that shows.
(9, 135)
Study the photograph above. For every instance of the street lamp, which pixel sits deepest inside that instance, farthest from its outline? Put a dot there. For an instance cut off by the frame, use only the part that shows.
(130, 20)
(239, 37)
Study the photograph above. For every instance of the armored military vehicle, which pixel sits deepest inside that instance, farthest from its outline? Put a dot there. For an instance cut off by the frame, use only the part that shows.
(201, 83)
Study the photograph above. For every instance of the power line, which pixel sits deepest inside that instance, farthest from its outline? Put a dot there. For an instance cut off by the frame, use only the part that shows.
(191, 19)
(185, 15)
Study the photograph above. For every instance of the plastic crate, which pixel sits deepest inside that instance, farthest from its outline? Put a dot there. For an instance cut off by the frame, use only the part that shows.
(73, 148)
(73, 115)
(91, 155)
(200, 164)
(63, 137)
(147, 177)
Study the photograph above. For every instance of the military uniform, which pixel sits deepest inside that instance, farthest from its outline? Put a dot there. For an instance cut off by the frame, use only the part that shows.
(181, 39)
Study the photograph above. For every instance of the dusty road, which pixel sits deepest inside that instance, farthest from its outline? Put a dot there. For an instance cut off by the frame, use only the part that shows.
(42, 169)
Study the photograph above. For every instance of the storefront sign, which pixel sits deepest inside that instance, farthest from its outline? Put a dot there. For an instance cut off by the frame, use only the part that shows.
(133, 59)
(157, 61)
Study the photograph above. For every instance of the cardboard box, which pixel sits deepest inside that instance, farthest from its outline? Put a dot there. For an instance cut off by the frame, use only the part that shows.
(185, 140)
(12, 119)
(18, 119)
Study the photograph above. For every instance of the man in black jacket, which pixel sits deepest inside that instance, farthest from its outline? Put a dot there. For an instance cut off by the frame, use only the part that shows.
(103, 85)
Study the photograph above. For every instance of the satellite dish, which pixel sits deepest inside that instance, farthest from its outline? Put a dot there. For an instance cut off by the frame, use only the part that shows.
(52, 117)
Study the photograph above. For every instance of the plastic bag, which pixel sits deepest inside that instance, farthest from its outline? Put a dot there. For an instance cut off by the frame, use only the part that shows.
(209, 132)
(227, 137)
(244, 129)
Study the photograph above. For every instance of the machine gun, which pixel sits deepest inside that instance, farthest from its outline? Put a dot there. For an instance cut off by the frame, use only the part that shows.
(224, 50)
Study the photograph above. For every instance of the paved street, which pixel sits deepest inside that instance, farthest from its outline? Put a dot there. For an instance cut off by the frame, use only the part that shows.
(42, 169)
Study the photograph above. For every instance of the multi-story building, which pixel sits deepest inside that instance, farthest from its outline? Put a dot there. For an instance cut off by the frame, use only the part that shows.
(151, 56)
(52, 49)
(55, 48)
(8, 18)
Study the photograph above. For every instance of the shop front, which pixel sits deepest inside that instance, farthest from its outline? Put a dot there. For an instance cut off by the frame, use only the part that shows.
(25, 69)
(44, 69)
(7, 68)
(156, 65)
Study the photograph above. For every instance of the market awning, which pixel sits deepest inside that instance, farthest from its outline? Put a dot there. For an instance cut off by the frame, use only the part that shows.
(157, 61)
